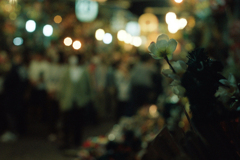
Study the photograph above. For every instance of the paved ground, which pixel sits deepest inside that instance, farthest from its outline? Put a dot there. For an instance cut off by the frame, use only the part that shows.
(38, 147)
(30, 149)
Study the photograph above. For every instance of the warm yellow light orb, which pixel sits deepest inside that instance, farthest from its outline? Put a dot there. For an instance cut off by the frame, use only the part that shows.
(67, 41)
(121, 35)
(148, 22)
(153, 111)
(57, 19)
(99, 34)
(76, 45)
(128, 38)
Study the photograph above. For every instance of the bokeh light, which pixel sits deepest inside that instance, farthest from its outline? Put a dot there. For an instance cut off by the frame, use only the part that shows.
(191, 21)
(30, 25)
(47, 30)
(67, 41)
(57, 19)
(99, 34)
(13, 1)
(133, 28)
(76, 45)
(12, 15)
(153, 110)
(170, 17)
(173, 27)
(128, 38)
(148, 22)
(182, 23)
(174, 99)
(121, 35)
(136, 41)
(107, 39)
(111, 137)
(86, 11)
(18, 41)
(178, 1)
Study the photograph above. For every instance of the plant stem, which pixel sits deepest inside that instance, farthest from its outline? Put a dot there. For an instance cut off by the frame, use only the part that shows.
(170, 65)
(191, 126)
(190, 123)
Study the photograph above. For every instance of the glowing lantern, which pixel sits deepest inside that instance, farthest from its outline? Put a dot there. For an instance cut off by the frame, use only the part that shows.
(86, 10)
(148, 22)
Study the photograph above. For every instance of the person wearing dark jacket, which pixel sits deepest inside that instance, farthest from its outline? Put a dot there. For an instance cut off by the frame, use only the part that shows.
(15, 85)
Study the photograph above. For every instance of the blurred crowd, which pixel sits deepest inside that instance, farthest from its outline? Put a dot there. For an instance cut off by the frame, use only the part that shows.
(66, 92)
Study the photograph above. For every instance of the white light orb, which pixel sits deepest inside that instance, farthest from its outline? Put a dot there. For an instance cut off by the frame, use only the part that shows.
(47, 30)
(170, 17)
(18, 41)
(128, 38)
(178, 1)
(121, 35)
(136, 41)
(173, 28)
(182, 23)
(30, 25)
(99, 34)
(86, 10)
(67, 41)
(76, 45)
(107, 39)
(133, 28)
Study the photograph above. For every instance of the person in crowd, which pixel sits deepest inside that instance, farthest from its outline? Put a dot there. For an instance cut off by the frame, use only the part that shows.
(100, 85)
(14, 90)
(75, 98)
(141, 89)
(38, 74)
(122, 80)
(56, 70)
(5, 66)
(111, 89)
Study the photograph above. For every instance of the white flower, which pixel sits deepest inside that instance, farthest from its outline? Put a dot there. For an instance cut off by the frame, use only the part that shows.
(180, 67)
(229, 89)
(177, 88)
(163, 47)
